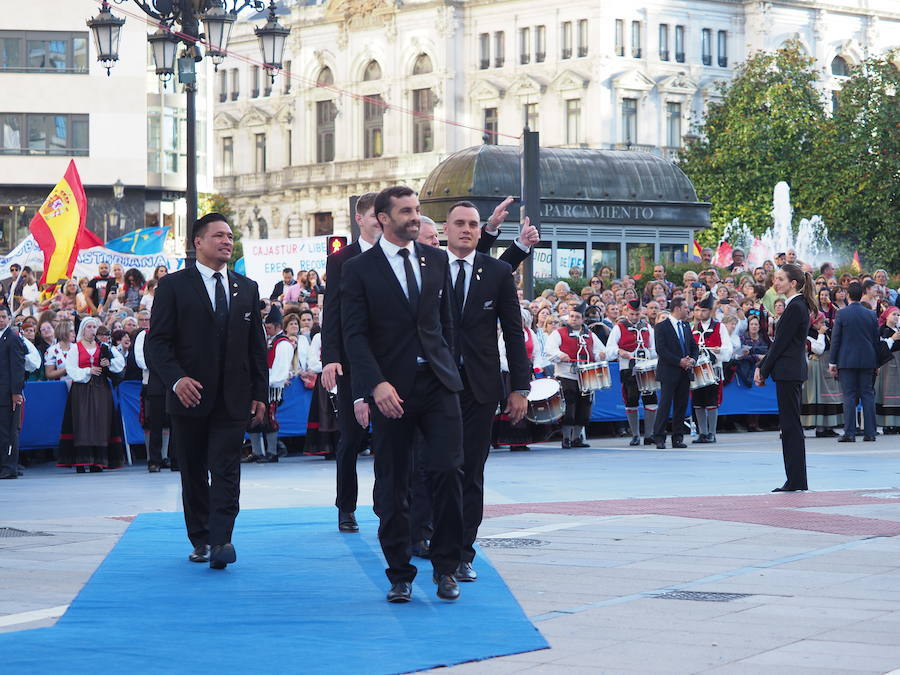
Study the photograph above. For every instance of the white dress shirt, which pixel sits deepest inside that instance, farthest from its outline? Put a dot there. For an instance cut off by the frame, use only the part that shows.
(682, 329)
(364, 245)
(395, 260)
(281, 365)
(724, 354)
(30, 292)
(32, 356)
(116, 363)
(206, 273)
(817, 344)
(314, 354)
(469, 264)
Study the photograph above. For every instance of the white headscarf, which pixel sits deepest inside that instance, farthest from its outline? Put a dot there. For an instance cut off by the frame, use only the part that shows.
(89, 321)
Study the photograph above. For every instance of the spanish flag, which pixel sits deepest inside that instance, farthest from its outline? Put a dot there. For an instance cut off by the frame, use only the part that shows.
(696, 252)
(58, 224)
(855, 266)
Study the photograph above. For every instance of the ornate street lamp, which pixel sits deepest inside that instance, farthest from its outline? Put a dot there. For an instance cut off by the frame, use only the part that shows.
(164, 45)
(217, 23)
(106, 29)
(271, 38)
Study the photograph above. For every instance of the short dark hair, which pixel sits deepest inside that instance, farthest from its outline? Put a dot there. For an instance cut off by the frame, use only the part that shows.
(201, 224)
(462, 204)
(365, 202)
(384, 199)
(27, 269)
(676, 302)
(825, 266)
(759, 291)
(855, 291)
(287, 270)
(867, 284)
(14, 266)
(4, 308)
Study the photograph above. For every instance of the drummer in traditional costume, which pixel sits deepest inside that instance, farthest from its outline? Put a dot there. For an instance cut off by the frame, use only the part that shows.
(631, 343)
(715, 343)
(887, 383)
(567, 346)
(264, 438)
(91, 437)
(822, 403)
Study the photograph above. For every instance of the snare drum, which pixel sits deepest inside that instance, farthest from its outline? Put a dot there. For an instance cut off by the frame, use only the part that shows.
(593, 376)
(545, 402)
(645, 375)
(704, 375)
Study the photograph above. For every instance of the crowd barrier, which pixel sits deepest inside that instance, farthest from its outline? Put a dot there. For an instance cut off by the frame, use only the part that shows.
(46, 401)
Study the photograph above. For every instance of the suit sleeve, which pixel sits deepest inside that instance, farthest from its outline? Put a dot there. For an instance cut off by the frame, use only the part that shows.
(256, 351)
(159, 348)
(277, 290)
(355, 324)
(837, 335)
(487, 240)
(331, 308)
(786, 326)
(16, 353)
(514, 255)
(665, 349)
(513, 336)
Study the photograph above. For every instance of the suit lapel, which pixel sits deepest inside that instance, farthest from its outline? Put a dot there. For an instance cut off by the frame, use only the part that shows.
(197, 282)
(385, 267)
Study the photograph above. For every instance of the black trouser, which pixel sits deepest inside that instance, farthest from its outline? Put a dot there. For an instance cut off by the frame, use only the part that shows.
(434, 411)
(793, 445)
(706, 397)
(477, 419)
(672, 394)
(9, 445)
(209, 447)
(421, 525)
(630, 392)
(350, 441)
(578, 405)
(156, 411)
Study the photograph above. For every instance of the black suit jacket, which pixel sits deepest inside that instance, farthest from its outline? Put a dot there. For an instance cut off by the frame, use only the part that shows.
(332, 344)
(854, 338)
(492, 297)
(513, 255)
(183, 342)
(669, 352)
(786, 358)
(382, 335)
(12, 371)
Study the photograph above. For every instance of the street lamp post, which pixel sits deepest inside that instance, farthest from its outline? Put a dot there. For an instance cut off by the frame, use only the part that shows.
(179, 23)
(118, 195)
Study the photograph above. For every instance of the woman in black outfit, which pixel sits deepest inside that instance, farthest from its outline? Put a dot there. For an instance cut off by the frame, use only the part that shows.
(786, 363)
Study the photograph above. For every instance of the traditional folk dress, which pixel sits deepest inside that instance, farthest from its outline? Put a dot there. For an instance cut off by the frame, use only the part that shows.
(582, 346)
(637, 340)
(821, 405)
(280, 354)
(887, 385)
(321, 426)
(518, 436)
(711, 335)
(92, 428)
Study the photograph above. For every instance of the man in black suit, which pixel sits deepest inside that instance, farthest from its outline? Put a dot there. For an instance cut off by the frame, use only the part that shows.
(396, 306)
(786, 363)
(483, 293)
(677, 352)
(854, 344)
(287, 280)
(206, 341)
(336, 366)
(12, 382)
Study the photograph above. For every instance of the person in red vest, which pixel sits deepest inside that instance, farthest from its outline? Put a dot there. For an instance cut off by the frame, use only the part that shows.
(630, 339)
(713, 339)
(280, 354)
(566, 347)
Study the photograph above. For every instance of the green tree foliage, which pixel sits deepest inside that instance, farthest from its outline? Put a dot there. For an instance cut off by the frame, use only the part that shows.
(209, 202)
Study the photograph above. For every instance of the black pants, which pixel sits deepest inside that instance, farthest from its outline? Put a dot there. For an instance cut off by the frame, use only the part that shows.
(630, 392)
(421, 523)
(793, 445)
(477, 419)
(578, 406)
(209, 448)
(434, 411)
(350, 441)
(9, 445)
(159, 420)
(672, 396)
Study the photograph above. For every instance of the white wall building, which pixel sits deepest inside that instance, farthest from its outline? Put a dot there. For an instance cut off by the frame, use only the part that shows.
(584, 74)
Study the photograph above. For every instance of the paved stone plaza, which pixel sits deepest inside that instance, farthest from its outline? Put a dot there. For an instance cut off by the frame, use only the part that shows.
(627, 560)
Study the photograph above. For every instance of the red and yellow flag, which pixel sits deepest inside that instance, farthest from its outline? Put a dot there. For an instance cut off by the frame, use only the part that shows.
(855, 266)
(58, 224)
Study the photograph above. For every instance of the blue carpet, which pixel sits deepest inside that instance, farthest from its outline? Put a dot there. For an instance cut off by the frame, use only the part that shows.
(302, 598)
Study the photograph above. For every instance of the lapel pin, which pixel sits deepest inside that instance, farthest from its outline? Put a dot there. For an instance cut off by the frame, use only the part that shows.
(235, 284)
(234, 295)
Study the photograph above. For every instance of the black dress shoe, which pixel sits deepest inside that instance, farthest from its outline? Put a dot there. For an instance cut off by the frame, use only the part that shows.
(249, 459)
(447, 588)
(710, 438)
(200, 554)
(220, 556)
(519, 448)
(661, 446)
(700, 439)
(153, 468)
(580, 444)
(870, 439)
(787, 488)
(347, 521)
(679, 444)
(465, 572)
(566, 444)
(267, 459)
(649, 441)
(9, 476)
(421, 549)
(635, 440)
(400, 592)
(847, 439)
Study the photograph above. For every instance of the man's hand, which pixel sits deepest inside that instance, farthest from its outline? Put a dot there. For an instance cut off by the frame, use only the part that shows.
(388, 401)
(516, 405)
(258, 410)
(17, 400)
(564, 358)
(188, 392)
(529, 236)
(96, 370)
(832, 370)
(361, 411)
(686, 362)
(329, 375)
(104, 363)
(624, 354)
(758, 378)
(500, 213)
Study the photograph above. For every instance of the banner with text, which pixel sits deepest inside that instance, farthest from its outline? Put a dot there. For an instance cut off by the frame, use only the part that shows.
(265, 258)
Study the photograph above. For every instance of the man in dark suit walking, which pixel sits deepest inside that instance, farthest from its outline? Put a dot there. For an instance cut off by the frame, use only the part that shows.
(854, 341)
(336, 366)
(677, 352)
(12, 382)
(483, 293)
(206, 341)
(396, 305)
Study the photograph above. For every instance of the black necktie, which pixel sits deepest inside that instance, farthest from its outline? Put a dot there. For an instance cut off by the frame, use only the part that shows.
(221, 308)
(411, 286)
(459, 289)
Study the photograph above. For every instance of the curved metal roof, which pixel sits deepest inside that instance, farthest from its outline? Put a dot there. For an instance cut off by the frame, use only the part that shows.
(580, 174)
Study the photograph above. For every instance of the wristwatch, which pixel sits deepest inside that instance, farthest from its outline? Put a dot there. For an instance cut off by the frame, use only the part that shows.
(522, 392)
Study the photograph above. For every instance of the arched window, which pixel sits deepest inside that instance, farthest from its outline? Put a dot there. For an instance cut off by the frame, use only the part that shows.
(839, 67)
(325, 77)
(422, 65)
(372, 72)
